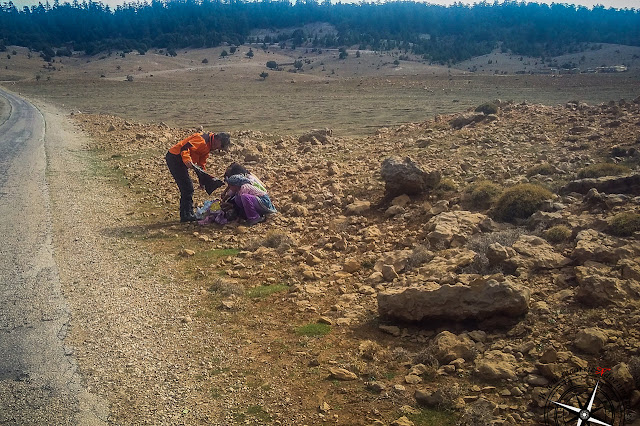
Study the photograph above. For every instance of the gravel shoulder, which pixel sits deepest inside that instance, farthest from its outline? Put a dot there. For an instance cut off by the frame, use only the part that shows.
(127, 328)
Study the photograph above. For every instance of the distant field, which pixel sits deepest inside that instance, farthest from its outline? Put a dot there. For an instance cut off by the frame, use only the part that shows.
(353, 97)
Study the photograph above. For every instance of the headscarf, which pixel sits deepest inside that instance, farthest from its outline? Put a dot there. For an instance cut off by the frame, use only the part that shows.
(238, 180)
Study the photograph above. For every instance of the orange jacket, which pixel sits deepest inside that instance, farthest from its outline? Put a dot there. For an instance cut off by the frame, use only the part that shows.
(192, 149)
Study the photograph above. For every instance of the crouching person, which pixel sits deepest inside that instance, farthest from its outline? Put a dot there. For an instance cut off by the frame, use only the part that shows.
(254, 202)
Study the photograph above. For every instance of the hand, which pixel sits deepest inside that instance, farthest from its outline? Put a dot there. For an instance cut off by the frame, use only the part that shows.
(189, 164)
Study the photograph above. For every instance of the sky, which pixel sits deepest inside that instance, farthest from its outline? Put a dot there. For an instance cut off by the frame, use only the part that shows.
(618, 4)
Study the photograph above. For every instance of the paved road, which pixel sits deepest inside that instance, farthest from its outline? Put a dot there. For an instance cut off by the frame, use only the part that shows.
(39, 382)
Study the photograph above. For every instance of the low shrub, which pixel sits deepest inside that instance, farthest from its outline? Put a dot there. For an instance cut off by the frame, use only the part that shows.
(447, 185)
(624, 224)
(482, 194)
(520, 202)
(541, 169)
(557, 234)
(226, 288)
(601, 170)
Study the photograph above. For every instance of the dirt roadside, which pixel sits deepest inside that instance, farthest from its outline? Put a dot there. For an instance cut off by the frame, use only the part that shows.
(128, 327)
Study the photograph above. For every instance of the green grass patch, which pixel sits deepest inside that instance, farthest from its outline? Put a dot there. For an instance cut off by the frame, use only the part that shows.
(215, 254)
(313, 330)
(433, 417)
(265, 290)
(255, 412)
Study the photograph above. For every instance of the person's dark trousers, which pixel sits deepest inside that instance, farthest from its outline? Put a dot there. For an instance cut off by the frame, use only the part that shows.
(181, 175)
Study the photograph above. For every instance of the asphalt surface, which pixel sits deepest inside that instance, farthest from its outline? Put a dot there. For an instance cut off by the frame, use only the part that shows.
(39, 381)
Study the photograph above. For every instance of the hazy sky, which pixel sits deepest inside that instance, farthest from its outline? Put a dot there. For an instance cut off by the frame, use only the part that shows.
(619, 4)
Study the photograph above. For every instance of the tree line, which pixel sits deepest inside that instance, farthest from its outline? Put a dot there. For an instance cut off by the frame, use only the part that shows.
(437, 33)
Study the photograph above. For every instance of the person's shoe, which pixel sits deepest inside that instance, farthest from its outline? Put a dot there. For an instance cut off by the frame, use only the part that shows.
(188, 216)
(256, 220)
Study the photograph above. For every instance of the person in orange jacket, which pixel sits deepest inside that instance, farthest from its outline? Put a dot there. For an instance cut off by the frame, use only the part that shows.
(182, 156)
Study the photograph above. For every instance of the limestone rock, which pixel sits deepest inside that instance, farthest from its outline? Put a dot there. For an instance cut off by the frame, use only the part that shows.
(590, 340)
(358, 207)
(623, 378)
(482, 298)
(496, 365)
(351, 266)
(406, 177)
(465, 119)
(596, 246)
(536, 253)
(389, 273)
(448, 347)
(397, 259)
(322, 136)
(600, 285)
(402, 421)
(401, 200)
(446, 263)
(453, 228)
(341, 374)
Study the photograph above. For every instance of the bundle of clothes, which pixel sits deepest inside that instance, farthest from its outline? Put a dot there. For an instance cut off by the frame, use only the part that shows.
(245, 197)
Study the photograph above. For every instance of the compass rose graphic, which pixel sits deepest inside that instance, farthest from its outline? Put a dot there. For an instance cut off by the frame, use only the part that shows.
(583, 398)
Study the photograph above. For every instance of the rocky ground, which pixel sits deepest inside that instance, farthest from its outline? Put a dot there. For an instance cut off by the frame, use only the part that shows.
(394, 290)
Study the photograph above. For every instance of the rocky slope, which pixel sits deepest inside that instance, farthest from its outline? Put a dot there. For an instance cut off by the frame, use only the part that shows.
(425, 302)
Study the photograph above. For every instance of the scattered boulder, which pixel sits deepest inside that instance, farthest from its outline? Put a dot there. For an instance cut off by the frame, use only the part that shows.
(358, 207)
(536, 253)
(467, 118)
(322, 136)
(452, 229)
(623, 378)
(482, 298)
(406, 177)
(341, 374)
(600, 285)
(590, 340)
(496, 365)
(448, 347)
(609, 185)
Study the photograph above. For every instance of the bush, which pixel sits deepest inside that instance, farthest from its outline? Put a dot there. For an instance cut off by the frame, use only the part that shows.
(602, 169)
(205, 61)
(226, 288)
(224, 53)
(447, 185)
(272, 65)
(624, 224)
(482, 194)
(557, 234)
(520, 202)
(541, 169)
(488, 108)
(264, 75)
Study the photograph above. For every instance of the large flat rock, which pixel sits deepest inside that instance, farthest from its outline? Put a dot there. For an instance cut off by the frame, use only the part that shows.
(480, 299)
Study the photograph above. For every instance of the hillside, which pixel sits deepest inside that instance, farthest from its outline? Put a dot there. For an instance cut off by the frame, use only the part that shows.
(303, 298)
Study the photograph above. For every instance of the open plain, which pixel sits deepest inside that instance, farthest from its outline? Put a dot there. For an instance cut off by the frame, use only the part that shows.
(296, 321)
